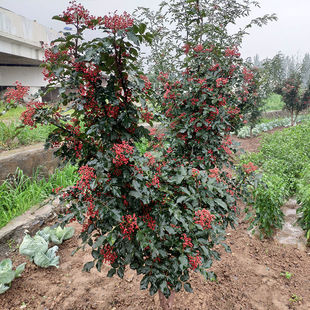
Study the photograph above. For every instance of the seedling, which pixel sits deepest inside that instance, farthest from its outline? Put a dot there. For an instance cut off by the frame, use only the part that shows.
(286, 274)
(294, 298)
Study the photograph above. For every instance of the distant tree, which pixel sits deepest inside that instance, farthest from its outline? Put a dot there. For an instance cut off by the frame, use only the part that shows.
(256, 61)
(305, 69)
(295, 100)
(257, 93)
(306, 97)
(275, 70)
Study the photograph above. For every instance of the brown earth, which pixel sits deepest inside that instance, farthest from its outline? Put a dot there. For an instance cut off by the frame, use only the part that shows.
(252, 277)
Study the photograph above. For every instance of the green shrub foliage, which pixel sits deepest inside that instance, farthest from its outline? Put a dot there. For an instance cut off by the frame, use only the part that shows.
(160, 215)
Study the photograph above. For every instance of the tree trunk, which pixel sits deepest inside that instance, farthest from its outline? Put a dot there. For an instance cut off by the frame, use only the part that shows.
(292, 118)
(166, 303)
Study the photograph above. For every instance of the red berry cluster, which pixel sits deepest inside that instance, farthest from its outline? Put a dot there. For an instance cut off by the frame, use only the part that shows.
(155, 182)
(232, 52)
(221, 82)
(16, 94)
(215, 174)
(128, 225)
(146, 115)
(187, 241)
(151, 158)
(77, 15)
(112, 111)
(118, 22)
(203, 218)
(109, 256)
(87, 174)
(247, 75)
(121, 150)
(250, 167)
(27, 116)
(195, 172)
(149, 220)
(194, 261)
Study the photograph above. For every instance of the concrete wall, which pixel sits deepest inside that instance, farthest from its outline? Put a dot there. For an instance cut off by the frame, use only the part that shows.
(21, 37)
(28, 159)
(21, 52)
(28, 76)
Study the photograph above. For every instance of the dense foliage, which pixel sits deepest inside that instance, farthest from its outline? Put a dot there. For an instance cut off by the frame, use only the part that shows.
(160, 215)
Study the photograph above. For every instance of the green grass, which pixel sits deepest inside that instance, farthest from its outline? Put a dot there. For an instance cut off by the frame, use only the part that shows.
(12, 114)
(20, 193)
(11, 137)
(273, 103)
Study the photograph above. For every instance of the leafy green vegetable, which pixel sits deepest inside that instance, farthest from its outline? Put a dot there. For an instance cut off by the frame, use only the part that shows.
(30, 246)
(44, 233)
(47, 259)
(36, 248)
(58, 235)
(7, 274)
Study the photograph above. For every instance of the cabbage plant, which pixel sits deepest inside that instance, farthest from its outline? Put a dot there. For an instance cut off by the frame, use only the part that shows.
(31, 246)
(36, 249)
(57, 235)
(7, 274)
(48, 258)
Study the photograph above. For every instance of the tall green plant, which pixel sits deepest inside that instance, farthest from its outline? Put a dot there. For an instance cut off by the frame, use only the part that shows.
(162, 217)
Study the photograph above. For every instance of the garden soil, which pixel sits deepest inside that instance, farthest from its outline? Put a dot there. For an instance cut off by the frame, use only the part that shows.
(252, 277)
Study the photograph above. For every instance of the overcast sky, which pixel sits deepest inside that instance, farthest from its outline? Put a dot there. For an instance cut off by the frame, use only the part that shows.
(290, 34)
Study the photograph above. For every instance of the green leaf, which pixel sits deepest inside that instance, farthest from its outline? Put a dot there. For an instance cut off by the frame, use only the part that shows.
(7, 277)
(226, 247)
(99, 241)
(19, 270)
(111, 238)
(31, 246)
(183, 262)
(88, 266)
(164, 288)
(120, 272)
(47, 259)
(153, 289)
(221, 203)
(111, 272)
(142, 28)
(116, 215)
(170, 230)
(135, 194)
(181, 199)
(3, 288)
(144, 282)
(136, 185)
(188, 287)
(179, 178)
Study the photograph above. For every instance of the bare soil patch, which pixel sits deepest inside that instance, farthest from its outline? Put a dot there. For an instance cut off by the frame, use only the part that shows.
(250, 278)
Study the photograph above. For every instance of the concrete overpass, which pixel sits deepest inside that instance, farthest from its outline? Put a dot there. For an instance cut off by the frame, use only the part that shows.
(20, 50)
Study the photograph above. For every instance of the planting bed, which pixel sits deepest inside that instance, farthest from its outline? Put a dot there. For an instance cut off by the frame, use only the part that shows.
(251, 278)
